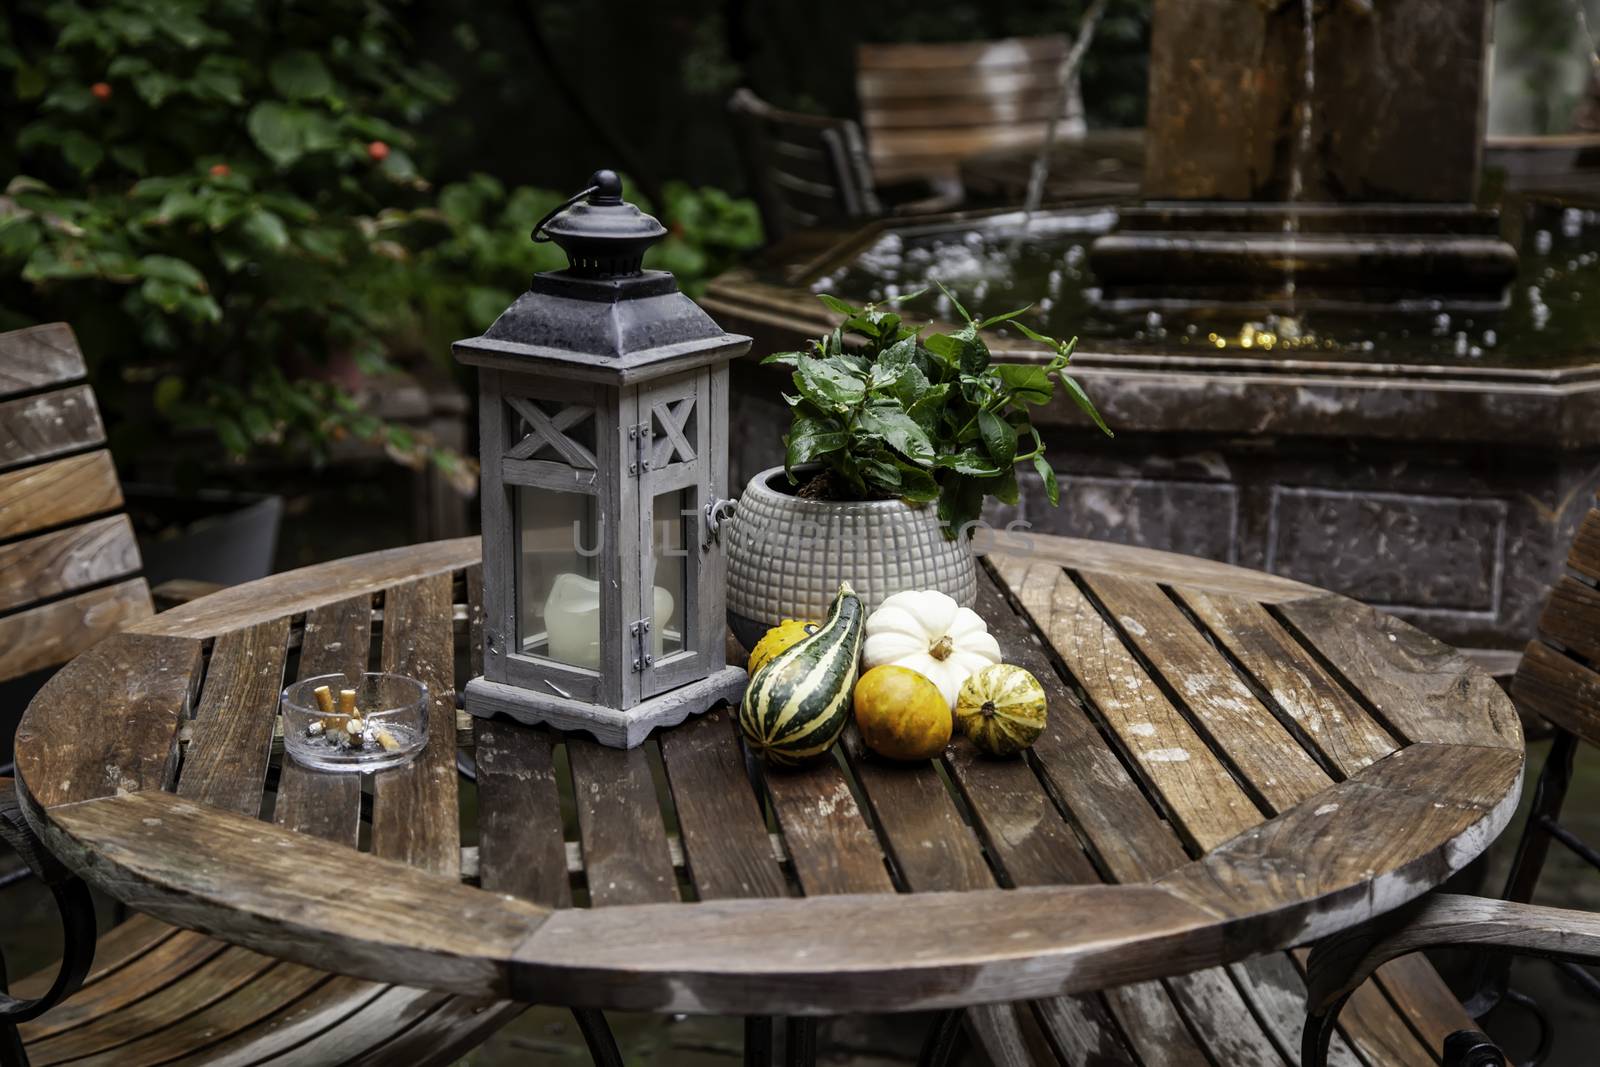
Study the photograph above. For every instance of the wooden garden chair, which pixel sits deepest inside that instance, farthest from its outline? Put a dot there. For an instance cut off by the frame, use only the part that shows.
(927, 108)
(808, 172)
(146, 992)
(1558, 680)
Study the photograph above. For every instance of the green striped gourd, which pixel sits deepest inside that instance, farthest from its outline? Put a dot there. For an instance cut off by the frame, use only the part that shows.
(798, 702)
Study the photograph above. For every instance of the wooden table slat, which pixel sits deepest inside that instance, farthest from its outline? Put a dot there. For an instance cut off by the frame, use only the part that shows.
(1276, 993)
(521, 849)
(108, 721)
(827, 837)
(337, 640)
(231, 738)
(1135, 845)
(724, 835)
(625, 855)
(1198, 793)
(1334, 722)
(930, 845)
(415, 814)
(1422, 688)
(1263, 752)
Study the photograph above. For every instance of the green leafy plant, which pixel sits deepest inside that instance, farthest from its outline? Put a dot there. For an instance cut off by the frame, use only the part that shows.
(225, 200)
(922, 416)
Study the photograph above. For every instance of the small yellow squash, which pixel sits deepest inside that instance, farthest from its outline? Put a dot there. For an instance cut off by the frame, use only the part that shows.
(1002, 709)
(901, 714)
(786, 634)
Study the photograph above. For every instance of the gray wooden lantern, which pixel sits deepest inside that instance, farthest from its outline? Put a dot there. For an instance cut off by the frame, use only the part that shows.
(603, 425)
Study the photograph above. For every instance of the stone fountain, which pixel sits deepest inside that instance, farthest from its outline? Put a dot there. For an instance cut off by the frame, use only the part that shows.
(1323, 353)
(1307, 153)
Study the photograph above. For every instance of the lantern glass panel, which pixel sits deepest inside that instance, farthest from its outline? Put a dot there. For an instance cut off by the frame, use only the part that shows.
(558, 566)
(670, 550)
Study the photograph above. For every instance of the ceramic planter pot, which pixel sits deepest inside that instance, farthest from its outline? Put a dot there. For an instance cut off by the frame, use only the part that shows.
(786, 555)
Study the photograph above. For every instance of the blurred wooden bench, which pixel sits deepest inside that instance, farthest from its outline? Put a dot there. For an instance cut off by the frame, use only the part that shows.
(927, 108)
(69, 577)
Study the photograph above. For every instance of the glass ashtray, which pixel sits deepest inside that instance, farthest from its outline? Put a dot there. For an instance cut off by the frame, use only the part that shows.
(378, 722)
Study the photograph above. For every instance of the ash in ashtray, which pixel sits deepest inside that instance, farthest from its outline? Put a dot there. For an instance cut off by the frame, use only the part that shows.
(348, 735)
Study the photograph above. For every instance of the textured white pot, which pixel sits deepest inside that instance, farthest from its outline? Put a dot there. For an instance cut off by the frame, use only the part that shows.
(786, 556)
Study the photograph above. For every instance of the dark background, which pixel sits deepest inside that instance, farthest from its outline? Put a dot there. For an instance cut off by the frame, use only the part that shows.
(655, 77)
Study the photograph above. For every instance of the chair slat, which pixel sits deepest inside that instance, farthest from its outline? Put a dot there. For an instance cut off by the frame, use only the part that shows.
(1584, 556)
(168, 961)
(927, 108)
(62, 561)
(57, 492)
(52, 633)
(962, 55)
(37, 357)
(1559, 688)
(38, 427)
(1571, 617)
(166, 1003)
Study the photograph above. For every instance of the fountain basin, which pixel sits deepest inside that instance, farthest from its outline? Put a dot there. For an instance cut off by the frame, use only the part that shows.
(1302, 256)
(1431, 462)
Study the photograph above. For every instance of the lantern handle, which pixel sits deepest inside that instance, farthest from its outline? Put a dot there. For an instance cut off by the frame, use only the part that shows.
(717, 512)
(538, 235)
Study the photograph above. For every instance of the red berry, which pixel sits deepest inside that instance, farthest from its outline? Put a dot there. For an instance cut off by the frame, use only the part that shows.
(377, 151)
(220, 170)
(101, 91)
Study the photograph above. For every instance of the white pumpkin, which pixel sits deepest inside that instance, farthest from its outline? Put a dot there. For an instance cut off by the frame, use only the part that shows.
(930, 633)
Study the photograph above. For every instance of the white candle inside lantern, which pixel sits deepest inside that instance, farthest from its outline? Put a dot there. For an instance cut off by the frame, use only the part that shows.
(572, 620)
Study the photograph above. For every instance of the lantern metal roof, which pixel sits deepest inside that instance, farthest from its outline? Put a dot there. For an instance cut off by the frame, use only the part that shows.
(604, 318)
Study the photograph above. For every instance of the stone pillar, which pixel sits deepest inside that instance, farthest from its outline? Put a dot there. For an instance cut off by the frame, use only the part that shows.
(1398, 111)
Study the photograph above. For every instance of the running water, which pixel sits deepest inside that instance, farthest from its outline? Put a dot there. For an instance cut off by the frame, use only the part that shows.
(1301, 149)
(1586, 36)
(1040, 170)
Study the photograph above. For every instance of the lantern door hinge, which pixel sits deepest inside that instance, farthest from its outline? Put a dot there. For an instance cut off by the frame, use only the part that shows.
(639, 437)
(642, 659)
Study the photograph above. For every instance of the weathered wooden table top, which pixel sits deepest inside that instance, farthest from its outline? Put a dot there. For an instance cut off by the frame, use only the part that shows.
(1235, 763)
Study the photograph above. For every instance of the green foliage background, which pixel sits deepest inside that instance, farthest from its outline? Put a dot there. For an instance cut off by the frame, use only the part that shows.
(228, 201)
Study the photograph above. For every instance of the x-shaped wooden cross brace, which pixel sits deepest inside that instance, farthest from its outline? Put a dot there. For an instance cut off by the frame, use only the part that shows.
(549, 430)
(674, 420)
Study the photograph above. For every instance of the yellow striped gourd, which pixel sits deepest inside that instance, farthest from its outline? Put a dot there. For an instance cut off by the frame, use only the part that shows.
(1002, 708)
(798, 702)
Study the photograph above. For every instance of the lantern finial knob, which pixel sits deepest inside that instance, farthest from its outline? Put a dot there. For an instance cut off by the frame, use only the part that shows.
(602, 234)
(607, 187)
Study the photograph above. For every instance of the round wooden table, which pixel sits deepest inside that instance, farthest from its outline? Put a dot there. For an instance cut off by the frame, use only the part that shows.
(1235, 764)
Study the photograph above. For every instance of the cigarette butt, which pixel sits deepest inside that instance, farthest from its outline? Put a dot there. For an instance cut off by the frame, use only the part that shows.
(354, 726)
(347, 700)
(386, 739)
(324, 697)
